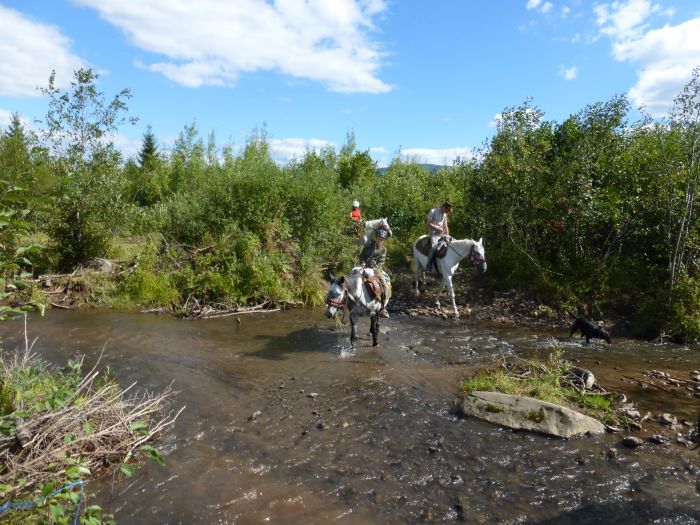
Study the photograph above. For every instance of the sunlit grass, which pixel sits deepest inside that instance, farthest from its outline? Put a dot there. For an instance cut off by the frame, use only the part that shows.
(546, 381)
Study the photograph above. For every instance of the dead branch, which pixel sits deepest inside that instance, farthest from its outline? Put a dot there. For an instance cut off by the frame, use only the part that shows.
(107, 426)
(642, 382)
(63, 307)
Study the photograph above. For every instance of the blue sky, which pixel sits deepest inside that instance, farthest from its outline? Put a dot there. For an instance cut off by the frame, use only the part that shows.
(426, 78)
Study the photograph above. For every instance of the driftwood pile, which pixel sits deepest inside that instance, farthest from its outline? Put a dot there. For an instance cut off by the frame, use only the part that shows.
(71, 290)
(100, 425)
(667, 383)
(193, 309)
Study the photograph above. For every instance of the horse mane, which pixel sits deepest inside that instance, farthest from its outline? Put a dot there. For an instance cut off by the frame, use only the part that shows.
(462, 242)
(375, 222)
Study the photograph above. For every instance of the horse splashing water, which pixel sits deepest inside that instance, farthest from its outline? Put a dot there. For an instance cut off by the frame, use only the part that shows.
(371, 228)
(349, 292)
(456, 251)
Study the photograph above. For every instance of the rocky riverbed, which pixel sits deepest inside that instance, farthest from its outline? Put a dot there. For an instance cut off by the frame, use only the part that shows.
(479, 301)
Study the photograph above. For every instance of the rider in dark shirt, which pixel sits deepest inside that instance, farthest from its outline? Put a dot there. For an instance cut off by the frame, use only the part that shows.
(373, 256)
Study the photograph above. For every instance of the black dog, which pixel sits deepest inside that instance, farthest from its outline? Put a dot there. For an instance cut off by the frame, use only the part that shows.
(589, 330)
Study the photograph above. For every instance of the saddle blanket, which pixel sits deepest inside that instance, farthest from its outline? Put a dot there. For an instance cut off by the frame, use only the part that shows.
(423, 246)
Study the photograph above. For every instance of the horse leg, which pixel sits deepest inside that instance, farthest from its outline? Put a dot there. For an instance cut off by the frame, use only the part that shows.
(417, 274)
(437, 298)
(374, 328)
(451, 291)
(353, 329)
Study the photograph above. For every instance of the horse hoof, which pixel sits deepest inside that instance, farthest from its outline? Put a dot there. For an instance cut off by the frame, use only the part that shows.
(375, 345)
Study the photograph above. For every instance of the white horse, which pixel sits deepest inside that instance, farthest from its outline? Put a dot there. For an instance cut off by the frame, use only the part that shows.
(348, 292)
(371, 227)
(456, 251)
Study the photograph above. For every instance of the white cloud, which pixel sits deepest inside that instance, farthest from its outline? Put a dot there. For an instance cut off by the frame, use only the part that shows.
(29, 51)
(538, 5)
(129, 146)
(443, 157)
(284, 150)
(5, 119)
(665, 56)
(622, 20)
(569, 73)
(209, 42)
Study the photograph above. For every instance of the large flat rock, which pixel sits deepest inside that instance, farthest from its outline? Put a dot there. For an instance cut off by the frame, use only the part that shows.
(526, 413)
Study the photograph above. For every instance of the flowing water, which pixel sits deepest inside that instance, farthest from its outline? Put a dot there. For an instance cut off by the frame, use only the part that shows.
(284, 424)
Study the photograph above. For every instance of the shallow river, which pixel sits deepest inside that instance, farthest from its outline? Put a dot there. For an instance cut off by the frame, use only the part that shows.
(380, 442)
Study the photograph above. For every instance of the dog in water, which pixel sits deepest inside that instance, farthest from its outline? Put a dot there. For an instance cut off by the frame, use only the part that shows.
(589, 330)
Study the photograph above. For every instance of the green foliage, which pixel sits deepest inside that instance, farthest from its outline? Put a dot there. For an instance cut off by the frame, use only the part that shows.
(355, 168)
(684, 318)
(87, 196)
(545, 381)
(593, 210)
(18, 205)
(149, 289)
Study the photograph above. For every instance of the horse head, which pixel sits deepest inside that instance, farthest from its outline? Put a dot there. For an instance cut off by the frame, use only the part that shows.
(337, 297)
(477, 255)
(384, 225)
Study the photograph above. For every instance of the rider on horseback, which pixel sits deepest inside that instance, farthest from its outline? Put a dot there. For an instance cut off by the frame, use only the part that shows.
(373, 256)
(356, 218)
(437, 228)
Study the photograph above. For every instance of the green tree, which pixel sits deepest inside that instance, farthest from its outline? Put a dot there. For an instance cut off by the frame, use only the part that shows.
(148, 154)
(78, 129)
(354, 167)
(148, 176)
(683, 206)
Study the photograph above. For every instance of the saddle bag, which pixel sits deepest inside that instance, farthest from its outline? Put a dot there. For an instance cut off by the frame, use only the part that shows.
(374, 286)
(442, 244)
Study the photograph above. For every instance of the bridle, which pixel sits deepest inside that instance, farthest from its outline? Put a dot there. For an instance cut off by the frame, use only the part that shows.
(384, 225)
(474, 257)
(339, 304)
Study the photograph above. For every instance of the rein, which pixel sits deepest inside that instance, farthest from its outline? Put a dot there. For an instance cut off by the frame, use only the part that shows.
(382, 226)
(340, 304)
(474, 257)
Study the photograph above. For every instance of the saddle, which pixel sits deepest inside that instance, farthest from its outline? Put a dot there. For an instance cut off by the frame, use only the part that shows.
(358, 228)
(423, 246)
(374, 286)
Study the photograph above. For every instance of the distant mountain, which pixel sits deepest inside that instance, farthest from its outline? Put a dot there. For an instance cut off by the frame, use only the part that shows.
(429, 167)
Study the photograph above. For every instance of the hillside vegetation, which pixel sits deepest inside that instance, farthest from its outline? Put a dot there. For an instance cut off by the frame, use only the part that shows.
(593, 212)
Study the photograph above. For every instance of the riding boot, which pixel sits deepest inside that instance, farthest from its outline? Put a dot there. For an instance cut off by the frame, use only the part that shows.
(431, 261)
(383, 313)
